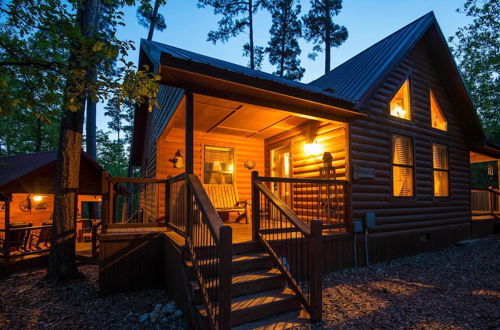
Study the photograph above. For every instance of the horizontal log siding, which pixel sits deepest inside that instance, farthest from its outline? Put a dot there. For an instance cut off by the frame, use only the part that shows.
(370, 140)
(244, 149)
(331, 137)
(168, 100)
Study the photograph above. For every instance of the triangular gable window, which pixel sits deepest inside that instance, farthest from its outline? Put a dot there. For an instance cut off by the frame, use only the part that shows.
(437, 117)
(400, 103)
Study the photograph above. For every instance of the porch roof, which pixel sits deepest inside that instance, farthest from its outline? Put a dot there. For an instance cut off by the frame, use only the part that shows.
(210, 76)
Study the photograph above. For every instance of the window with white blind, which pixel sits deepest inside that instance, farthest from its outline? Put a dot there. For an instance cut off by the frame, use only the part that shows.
(402, 166)
(219, 165)
(440, 169)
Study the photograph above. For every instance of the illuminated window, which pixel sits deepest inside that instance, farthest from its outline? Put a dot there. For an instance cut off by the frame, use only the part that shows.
(400, 103)
(219, 165)
(437, 117)
(402, 166)
(440, 169)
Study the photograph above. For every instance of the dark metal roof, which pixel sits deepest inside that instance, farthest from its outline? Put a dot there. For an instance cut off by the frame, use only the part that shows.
(17, 166)
(154, 50)
(355, 77)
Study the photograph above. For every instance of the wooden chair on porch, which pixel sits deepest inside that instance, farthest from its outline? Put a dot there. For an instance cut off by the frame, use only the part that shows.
(225, 200)
(19, 235)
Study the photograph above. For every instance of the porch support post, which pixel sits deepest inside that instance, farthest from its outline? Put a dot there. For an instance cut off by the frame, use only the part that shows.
(104, 202)
(255, 206)
(316, 269)
(188, 162)
(6, 245)
(189, 133)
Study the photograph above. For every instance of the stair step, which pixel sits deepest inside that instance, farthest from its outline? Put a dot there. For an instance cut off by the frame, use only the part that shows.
(289, 320)
(240, 263)
(246, 283)
(247, 247)
(257, 306)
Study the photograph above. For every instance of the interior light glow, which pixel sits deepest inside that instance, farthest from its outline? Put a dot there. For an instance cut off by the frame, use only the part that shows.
(37, 198)
(399, 111)
(312, 148)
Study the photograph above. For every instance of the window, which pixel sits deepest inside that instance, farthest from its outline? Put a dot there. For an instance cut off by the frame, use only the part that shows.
(219, 165)
(400, 103)
(402, 166)
(437, 117)
(440, 169)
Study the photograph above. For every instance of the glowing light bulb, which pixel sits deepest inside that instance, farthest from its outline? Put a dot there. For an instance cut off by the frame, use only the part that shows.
(37, 198)
(312, 148)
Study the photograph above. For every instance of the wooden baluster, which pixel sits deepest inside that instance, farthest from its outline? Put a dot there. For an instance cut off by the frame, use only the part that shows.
(6, 246)
(167, 203)
(225, 264)
(316, 269)
(255, 206)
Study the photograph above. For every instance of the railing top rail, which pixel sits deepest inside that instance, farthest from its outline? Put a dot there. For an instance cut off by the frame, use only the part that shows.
(176, 178)
(19, 228)
(287, 211)
(299, 180)
(206, 206)
(115, 179)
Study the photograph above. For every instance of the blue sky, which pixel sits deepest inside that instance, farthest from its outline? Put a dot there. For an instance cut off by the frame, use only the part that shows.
(367, 21)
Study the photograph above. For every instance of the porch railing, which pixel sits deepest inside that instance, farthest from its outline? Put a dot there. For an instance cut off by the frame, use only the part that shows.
(310, 199)
(294, 245)
(485, 201)
(208, 241)
(24, 240)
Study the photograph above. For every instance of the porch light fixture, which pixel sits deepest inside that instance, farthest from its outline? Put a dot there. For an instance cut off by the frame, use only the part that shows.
(37, 198)
(313, 148)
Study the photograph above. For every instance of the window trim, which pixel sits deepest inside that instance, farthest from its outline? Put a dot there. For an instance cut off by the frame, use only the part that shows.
(440, 170)
(391, 157)
(216, 146)
(408, 77)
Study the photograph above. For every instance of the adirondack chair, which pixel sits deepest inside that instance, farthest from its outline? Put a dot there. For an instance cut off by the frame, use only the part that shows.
(225, 199)
(19, 237)
(43, 237)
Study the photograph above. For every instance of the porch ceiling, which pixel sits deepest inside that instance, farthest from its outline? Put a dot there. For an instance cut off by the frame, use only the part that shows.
(236, 118)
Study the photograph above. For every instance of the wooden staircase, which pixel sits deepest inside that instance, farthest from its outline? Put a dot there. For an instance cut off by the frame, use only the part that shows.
(260, 297)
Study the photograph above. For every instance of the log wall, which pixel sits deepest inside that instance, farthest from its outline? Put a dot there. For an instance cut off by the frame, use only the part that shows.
(370, 147)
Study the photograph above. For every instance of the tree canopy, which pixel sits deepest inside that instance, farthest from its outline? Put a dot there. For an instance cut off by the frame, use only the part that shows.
(476, 48)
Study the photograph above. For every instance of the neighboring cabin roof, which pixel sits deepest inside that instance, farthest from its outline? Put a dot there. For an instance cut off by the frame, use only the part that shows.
(16, 168)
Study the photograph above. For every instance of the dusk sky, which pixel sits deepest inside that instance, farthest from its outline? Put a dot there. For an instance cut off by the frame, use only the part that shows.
(367, 21)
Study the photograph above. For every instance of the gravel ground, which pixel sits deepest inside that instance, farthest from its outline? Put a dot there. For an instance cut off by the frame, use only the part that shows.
(27, 302)
(457, 288)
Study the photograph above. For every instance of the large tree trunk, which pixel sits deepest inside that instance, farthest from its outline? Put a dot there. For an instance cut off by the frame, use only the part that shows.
(328, 50)
(250, 22)
(90, 124)
(62, 253)
(153, 20)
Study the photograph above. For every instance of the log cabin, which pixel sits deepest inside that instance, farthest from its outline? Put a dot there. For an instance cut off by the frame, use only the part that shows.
(367, 163)
(27, 186)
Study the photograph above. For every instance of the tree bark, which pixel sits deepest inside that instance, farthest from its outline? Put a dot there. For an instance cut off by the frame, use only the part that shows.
(62, 253)
(328, 50)
(250, 22)
(90, 124)
(153, 20)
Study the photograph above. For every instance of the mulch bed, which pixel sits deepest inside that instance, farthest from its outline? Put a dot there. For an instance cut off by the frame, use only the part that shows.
(28, 302)
(457, 288)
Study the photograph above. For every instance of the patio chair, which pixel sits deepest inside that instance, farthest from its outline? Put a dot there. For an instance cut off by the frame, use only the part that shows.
(19, 235)
(225, 200)
(44, 237)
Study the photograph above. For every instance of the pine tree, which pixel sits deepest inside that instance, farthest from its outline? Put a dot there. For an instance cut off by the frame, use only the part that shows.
(237, 17)
(116, 114)
(149, 17)
(283, 48)
(321, 30)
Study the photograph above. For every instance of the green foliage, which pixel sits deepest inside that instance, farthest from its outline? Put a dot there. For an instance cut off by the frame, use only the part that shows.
(479, 175)
(476, 48)
(237, 17)
(283, 48)
(111, 155)
(145, 15)
(320, 29)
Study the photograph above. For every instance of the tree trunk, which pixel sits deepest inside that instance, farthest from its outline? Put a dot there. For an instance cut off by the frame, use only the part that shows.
(62, 252)
(328, 50)
(38, 137)
(250, 22)
(153, 20)
(90, 127)
(328, 44)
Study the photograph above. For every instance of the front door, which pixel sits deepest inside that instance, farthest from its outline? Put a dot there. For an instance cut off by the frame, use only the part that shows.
(282, 168)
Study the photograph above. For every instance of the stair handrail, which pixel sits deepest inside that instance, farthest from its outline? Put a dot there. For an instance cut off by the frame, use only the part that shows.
(219, 311)
(311, 300)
